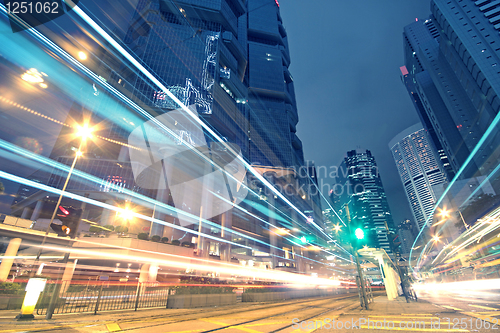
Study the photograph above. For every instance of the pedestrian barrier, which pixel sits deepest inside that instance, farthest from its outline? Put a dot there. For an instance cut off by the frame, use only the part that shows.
(102, 297)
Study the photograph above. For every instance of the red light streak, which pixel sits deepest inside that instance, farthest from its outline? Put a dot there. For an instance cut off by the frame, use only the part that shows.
(63, 210)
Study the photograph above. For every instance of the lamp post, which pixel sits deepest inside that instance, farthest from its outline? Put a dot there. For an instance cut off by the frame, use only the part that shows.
(83, 132)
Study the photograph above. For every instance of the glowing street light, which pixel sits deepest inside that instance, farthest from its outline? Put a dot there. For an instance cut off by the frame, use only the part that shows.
(126, 214)
(82, 55)
(436, 238)
(85, 132)
(444, 213)
(337, 228)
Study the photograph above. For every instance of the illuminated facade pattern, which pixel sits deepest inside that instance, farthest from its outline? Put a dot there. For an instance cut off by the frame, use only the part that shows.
(230, 60)
(419, 169)
(453, 62)
(188, 45)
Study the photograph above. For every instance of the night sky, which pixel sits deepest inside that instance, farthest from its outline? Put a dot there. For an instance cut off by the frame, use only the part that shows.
(345, 64)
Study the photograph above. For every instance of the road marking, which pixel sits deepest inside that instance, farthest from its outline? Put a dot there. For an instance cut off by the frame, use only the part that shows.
(483, 307)
(482, 317)
(238, 327)
(415, 329)
(405, 316)
(262, 324)
(416, 314)
(451, 307)
(113, 327)
(213, 322)
(488, 313)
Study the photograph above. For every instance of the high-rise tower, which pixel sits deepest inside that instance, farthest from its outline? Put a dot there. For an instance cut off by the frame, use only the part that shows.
(273, 115)
(451, 70)
(363, 192)
(420, 170)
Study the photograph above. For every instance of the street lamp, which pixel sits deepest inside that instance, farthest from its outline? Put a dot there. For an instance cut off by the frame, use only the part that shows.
(127, 214)
(435, 238)
(444, 213)
(83, 132)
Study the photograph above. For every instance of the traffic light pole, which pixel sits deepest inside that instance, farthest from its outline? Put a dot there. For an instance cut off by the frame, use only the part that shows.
(358, 266)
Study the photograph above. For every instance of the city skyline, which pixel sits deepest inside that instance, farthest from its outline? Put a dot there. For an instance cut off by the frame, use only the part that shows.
(348, 87)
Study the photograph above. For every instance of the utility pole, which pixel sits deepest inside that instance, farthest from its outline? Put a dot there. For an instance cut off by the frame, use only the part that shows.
(358, 266)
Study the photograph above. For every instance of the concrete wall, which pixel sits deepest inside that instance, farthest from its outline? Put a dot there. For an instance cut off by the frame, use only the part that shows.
(199, 300)
(282, 295)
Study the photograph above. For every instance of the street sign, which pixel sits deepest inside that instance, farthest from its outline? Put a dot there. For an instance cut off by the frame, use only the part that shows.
(103, 278)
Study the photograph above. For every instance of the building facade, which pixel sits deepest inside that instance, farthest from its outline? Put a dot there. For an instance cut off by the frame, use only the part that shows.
(228, 60)
(451, 71)
(420, 170)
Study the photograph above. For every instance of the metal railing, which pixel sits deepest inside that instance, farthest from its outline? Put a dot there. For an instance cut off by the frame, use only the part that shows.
(104, 296)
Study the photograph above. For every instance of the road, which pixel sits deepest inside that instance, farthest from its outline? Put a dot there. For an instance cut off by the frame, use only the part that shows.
(482, 305)
(435, 312)
(248, 317)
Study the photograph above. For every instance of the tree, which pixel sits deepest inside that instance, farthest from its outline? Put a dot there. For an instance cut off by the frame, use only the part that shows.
(155, 238)
(176, 242)
(109, 227)
(93, 228)
(143, 236)
(164, 239)
(121, 229)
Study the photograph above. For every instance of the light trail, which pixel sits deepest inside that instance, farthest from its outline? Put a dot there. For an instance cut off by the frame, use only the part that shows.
(210, 266)
(93, 76)
(11, 147)
(484, 137)
(137, 215)
(152, 78)
(472, 285)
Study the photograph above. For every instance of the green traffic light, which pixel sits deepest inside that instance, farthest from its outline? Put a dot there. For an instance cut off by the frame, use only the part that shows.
(359, 233)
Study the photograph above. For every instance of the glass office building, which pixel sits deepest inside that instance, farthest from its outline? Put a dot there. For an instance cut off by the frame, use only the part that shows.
(360, 187)
(451, 71)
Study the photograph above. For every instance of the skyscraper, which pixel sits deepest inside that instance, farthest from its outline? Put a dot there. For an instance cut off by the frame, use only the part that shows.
(230, 59)
(273, 113)
(451, 71)
(420, 170)
(406, 232)
(363, 192)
